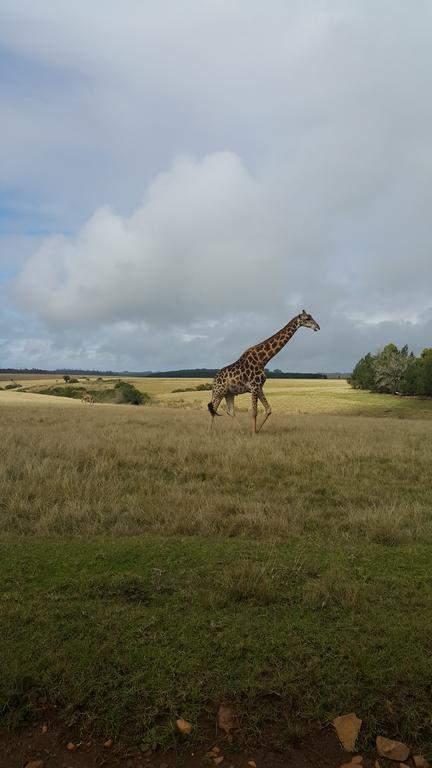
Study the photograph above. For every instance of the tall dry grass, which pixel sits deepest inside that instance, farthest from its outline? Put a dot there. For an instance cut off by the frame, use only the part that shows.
(107, 470)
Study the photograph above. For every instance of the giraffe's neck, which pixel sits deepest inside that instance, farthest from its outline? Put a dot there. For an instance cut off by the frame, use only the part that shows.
(268, 348)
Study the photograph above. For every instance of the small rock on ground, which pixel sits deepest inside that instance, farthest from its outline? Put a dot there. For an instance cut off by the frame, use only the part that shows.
(347, 728)
(392, 750)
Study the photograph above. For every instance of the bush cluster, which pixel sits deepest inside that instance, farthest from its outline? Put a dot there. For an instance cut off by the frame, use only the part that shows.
(126, 393)
(61, 391)
(395, 371)
(122, 393)
(199, 388)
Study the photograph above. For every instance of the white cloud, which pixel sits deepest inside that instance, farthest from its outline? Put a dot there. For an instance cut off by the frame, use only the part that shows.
(203, 231)
(303, 174)
(401, 318)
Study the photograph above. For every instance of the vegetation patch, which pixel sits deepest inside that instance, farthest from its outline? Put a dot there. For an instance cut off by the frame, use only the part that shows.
(395, 371)
(127, 393)
(120, 392)
(62, 391)
(207, 387)
(128, 635)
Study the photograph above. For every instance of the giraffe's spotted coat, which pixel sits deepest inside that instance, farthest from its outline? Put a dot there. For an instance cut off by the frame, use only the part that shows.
(247, 373)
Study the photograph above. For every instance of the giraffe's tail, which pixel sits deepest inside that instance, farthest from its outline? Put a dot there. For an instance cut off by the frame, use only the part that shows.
(212, 410)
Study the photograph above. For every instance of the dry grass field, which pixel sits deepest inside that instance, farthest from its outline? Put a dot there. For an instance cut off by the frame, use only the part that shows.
(287, 396)
(126, 470)
(149, 570)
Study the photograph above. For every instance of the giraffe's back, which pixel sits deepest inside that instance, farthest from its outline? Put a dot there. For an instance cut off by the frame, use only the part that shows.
(240, 377)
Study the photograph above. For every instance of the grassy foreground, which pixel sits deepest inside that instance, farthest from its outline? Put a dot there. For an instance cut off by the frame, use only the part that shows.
(148, 571)
(127, 635)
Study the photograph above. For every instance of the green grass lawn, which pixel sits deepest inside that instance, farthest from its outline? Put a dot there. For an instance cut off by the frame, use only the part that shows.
(150, 571)
(127, 634)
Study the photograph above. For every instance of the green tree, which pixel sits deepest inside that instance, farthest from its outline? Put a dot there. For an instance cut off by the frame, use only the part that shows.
(390, 366)
(395, 370)
(363, 375)
(410, 382)
(425, 373)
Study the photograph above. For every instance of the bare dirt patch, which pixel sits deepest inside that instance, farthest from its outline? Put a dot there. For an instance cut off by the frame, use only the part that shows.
(320, 749)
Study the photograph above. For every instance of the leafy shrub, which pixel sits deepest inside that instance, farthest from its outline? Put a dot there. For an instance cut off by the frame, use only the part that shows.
(122, 393)
(60, 391)
(13, 386)
(130, 395)
(106, 395)
(199, 388)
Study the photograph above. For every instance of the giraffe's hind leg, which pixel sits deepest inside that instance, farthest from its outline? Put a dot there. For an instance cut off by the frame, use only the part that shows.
(267, 407)
(254, 411)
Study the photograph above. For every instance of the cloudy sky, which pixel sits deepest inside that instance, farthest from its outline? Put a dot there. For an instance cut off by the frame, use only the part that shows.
(178, 179)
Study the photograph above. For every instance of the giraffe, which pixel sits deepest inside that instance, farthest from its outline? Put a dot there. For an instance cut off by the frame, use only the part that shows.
(247, 373)
(87, 398)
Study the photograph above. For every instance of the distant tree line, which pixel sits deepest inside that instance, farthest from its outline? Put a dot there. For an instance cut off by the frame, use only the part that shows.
(184, 373)
(72, 371)
(210, 373)
(278, 374)
(395, 371)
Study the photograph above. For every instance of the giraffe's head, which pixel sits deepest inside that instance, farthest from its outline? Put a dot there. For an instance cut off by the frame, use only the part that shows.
(307, 321)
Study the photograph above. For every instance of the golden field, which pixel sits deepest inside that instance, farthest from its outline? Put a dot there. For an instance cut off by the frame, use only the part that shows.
(286, 396)
(324, 464)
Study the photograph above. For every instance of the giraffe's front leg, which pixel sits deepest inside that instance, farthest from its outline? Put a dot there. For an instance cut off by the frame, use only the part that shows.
(267, 407)
(213, 406)
(229, 397)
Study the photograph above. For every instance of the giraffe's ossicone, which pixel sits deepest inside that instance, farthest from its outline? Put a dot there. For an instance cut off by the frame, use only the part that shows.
(247, 373)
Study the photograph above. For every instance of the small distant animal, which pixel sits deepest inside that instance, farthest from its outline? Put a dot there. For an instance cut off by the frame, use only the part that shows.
(247, 373)
(87, 398)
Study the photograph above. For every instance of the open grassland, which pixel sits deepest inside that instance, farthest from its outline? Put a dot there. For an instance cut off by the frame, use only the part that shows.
(126, 470)
(293, 396)
(286, 396)
(18, 398)
(149, 570)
